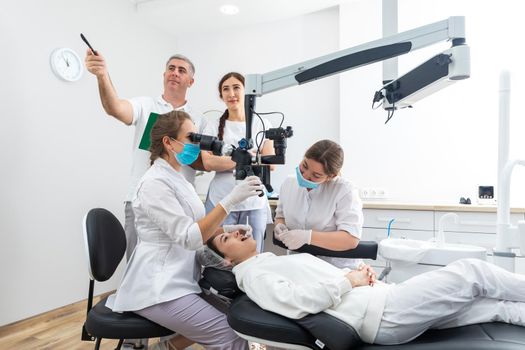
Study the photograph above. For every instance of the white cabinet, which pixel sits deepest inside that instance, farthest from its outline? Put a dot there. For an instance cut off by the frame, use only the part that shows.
(473, 227)
(403, 219)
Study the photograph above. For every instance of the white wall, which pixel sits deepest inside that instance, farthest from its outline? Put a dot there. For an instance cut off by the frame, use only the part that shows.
(312, 109)
(60, 154)
(446, 145)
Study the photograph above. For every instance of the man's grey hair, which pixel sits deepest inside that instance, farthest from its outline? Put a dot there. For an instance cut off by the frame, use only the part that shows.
(182, 58)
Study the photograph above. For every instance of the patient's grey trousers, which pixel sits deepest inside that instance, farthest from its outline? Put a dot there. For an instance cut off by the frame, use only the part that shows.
(465, 292)
(197, 320)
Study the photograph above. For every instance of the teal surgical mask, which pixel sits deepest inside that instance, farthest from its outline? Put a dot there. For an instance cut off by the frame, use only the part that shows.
(189, 153)
(303, 182)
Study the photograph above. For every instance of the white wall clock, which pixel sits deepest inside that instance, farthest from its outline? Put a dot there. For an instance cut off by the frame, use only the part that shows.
(66, 64)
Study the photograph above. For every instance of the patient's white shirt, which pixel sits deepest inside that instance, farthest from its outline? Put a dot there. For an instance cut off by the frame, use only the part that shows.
(333, 206)
(309, 285)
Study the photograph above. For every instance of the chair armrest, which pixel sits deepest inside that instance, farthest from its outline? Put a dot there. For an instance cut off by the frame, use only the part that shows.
(364, 250)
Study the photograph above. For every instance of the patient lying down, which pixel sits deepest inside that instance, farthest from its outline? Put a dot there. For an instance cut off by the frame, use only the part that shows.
(465, 292)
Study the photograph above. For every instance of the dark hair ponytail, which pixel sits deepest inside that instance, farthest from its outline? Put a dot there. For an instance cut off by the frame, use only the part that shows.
(222, 122)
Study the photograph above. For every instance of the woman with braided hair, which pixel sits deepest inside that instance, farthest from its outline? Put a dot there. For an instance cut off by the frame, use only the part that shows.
(230, 128)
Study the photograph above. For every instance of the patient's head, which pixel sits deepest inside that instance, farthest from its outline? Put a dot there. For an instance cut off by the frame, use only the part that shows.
(235, 247)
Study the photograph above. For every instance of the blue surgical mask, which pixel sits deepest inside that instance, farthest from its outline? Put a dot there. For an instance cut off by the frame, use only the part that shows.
(303, 182)
(189, 153)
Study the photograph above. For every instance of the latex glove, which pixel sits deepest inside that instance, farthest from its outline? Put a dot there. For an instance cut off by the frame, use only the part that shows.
(294, 239)
(246, 189)
(279, 229)
(244, 227)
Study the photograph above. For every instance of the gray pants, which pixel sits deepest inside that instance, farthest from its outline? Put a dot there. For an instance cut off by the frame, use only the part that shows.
(467, 291)
(129, 228)
(192, 317)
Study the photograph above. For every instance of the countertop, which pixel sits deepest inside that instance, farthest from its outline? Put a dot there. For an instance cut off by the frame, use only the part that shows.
(391, 205)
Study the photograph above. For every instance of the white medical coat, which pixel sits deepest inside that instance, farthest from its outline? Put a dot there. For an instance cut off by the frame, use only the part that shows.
(162, 266)
(333, 206)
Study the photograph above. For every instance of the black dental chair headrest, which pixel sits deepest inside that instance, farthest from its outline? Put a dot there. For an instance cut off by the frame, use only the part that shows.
(219, 282)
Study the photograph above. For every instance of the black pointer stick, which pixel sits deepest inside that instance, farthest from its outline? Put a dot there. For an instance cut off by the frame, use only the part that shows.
(87, 43)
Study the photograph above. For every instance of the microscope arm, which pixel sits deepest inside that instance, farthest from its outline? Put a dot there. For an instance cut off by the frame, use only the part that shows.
(395, 45)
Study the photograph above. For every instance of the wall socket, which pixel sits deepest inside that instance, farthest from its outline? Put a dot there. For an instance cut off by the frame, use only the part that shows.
(373, 193)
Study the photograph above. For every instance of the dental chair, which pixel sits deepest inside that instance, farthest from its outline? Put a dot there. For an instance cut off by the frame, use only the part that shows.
(322, 331)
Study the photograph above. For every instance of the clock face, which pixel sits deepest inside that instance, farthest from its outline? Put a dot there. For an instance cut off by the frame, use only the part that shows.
(66, 64)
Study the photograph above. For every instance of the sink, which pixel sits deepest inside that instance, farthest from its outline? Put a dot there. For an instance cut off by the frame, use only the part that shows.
(427, 252)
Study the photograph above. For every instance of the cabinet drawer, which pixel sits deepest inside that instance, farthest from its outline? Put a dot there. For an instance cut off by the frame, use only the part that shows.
(378, 234)
(404, 219)
(473, 222)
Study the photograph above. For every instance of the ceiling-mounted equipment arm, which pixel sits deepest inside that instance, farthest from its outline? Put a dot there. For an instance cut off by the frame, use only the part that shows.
(340, 61)
(451, 29)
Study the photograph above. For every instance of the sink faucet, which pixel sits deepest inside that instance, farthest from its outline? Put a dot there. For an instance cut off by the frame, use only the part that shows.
(440, 239)
(509, 236)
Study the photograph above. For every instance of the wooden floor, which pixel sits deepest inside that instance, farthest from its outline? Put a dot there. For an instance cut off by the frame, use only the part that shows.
(57, 330)
(60, 329)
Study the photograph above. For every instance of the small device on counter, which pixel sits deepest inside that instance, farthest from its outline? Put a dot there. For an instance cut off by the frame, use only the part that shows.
(486, 195)
(464, 200)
